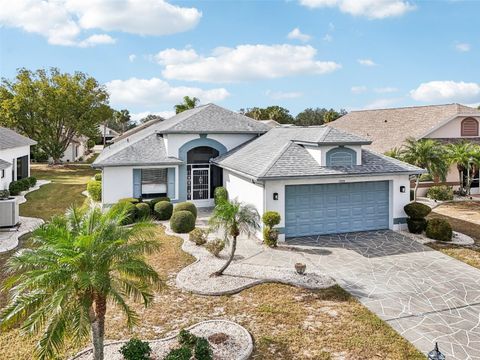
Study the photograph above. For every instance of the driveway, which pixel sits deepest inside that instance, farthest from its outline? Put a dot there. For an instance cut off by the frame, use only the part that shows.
(426, 296)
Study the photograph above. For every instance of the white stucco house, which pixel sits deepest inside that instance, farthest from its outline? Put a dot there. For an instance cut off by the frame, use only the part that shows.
(321, 180)
(14, 157)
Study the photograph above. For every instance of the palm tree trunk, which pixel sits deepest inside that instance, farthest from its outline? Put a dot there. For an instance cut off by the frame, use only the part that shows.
(230, 258)
(97, 318)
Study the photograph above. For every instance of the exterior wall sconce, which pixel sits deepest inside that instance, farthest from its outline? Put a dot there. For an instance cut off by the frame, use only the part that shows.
(275, 196)
(402, 189)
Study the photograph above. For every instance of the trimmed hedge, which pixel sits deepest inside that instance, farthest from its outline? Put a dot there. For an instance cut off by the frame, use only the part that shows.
(32, 181)
(441, 193)
(182, 221)
(136, 349)
(220, 194)
(130, 200)
(94, 189)
(439, 229)
(163, 210)
(155, 201)
(15, 188)
(416, 210)
(143, 210)
(416, 226)
(186, 206)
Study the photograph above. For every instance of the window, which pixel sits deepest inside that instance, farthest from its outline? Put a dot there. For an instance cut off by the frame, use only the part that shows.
(469, 127)
(154, 182)
(3, 173)
(341, 157)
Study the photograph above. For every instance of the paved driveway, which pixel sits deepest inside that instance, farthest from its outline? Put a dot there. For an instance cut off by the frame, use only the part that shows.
(425, 295)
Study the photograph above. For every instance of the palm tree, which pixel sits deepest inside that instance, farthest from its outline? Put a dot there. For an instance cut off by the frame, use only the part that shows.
(395, 153)
(233, 218)
(427, 154)
(188, 103)
(80, 262)
(460, 154)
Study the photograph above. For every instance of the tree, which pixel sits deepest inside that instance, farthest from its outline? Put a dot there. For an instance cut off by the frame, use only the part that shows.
(188, 103)
(274, 112)
(427, 154)
(122, 119)
(317, 116)
(81, 262)
(464, 155)
(151, 117)
(233, 218)
(395, 153)
(53, 107)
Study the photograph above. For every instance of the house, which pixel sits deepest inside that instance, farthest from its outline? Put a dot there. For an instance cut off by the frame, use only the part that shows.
(106, 135)
(76, 150)
(389, 128)
(321, 180)
(14, 157)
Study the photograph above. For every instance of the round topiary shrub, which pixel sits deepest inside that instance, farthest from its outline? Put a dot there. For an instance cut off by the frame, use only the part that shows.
(182, 222)
(186, 206)
(220, 194)
(136, 349)
(163, 210)
(198, 236)
(416, 210)
(143, 210)
(416, 226)
(130, 211)
(153, 202)
(130, 200)
(98, 177)
(439, 229)
(271, 218)
(32, 180)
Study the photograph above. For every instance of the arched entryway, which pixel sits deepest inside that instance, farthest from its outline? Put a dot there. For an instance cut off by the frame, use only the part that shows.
(202, 177)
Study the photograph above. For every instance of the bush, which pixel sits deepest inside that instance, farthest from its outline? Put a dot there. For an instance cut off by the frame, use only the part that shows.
(270, 236)
(203, 350)
(215, 246)
(439, 229)
(186, 206)
(198, 236)
(416, 210)
(130, 200)
(425, 177)
(90, 144)
(184, 353)
(32, 180)
(220, 194)
(136, 349)
(153, 202)
(15, 188)
(24, 184)
(182, 222)
(163, 210)
(186, 338)
(442, 193)
(130, 209)
(271, 218)
(143, 210)
(416, 226)
(4, 194)
(98, 177)
(94, 189)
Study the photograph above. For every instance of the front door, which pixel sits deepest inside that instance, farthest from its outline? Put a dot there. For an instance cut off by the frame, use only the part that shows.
(200, 183)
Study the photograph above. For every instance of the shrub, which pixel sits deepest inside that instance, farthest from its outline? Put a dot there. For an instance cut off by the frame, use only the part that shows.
(153, 202)
(270, 236)
(98, 177)
(186, 206)
(417, 210)
(32, 180)
(215, 246)
(136, 349)
(90, 144)
(94, 189)
(182, 222)
(143, 210)
(24, 184)
(220, 194)
(163, 210)
(4, 194)
(131, 211)
(439, 229)
(416, 226)
(15, 188)
(425, 177)
(183, 353)
(271, 218)
(186, 338)
(203, 350)
(130, 200)
(198, 236)
(442, 193)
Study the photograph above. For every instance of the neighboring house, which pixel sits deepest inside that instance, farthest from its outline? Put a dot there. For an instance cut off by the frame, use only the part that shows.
(106, 135)
(139, 127)
(389, 128)
(76, 150)
(319, 179)
(14, 157)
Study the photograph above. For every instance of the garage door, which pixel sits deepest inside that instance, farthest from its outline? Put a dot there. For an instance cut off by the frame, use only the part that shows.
(336, 208)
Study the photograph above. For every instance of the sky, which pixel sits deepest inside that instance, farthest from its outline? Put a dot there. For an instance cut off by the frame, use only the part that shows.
(350, 54)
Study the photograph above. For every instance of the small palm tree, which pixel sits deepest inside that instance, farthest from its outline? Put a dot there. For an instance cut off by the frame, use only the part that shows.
(188, 103)
(233, 218)
(461, 155)
(80, 263)
(395, 153)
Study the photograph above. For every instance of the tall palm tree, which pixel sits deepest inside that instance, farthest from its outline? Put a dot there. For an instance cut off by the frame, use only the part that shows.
(427, 154)
(233, 218)
(188, 103)
(80, 263)
(461, 155)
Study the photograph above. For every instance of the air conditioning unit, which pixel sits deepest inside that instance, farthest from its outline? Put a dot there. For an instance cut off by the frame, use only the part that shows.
(9, 212)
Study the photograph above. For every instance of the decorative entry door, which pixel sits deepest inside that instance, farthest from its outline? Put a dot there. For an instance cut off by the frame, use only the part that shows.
(200, 183)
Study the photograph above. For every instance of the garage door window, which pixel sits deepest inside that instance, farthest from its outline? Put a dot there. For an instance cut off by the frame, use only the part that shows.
(341, 157)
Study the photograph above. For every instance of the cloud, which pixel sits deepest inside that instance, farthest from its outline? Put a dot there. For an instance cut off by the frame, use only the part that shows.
(385, 90)
(296, 34)
(139, 116)
(447, 91)
(372, 9)
(463, 47)
(243, 63)
(153, 92)
(358, 89)
(63, 22)
(280, 95)
(381, 104)
(132, 57)
(366, 62)
(328, 38)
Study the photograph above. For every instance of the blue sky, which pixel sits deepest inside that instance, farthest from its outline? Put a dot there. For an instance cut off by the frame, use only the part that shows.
(351, 54)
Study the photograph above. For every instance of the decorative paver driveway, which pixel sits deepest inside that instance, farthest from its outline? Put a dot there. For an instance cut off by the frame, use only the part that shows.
(423, 294)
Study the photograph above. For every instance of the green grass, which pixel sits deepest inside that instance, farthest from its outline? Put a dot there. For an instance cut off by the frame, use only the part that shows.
(65, 190)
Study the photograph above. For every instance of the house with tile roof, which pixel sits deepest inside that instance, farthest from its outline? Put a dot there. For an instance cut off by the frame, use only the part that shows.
(14, 157)
(389, 128)
(321, 180)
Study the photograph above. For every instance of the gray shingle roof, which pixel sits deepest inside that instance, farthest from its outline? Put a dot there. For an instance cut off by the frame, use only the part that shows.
(280, 154)
(4, 164)
(11, 139)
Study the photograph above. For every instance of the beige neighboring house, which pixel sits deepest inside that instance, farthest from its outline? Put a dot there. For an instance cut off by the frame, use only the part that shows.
(389, 128)
(76, 150)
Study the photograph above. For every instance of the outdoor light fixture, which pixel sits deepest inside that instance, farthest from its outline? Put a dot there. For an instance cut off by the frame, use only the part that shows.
(435, 354)
(402, 189)
(275, 196)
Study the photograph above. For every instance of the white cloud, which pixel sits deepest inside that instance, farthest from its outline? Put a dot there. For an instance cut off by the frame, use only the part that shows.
(296, 34)
(463, 47)
(447, 91)
(381, 104)
(280, 95)
(372, 9)
(385, 90)
(358, 89)
(242, 63)
(328, 38)
(132, 57)
(366, 62)
(63, 22)
(153, 92)
(139, 116)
